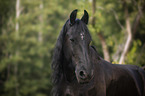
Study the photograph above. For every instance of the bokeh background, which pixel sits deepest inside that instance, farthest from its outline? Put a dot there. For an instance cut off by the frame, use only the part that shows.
(29, 30)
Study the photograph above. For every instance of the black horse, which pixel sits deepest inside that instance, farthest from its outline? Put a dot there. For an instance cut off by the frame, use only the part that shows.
(78, 70)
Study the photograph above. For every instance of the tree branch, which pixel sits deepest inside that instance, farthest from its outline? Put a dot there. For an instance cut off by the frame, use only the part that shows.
(129, 37)
(117, 20)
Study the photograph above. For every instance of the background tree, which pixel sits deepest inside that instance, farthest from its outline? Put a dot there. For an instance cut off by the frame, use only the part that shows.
(26, 51)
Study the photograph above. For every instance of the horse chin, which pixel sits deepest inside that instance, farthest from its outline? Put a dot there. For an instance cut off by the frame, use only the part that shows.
(83, 82)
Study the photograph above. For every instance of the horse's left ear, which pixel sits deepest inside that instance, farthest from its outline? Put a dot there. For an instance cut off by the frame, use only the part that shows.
(85, 17)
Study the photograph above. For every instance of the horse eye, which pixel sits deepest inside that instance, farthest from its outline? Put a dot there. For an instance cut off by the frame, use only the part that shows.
(72, 40)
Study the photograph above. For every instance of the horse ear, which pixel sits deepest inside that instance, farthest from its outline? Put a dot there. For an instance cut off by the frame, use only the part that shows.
(85, 17)
(73, 16)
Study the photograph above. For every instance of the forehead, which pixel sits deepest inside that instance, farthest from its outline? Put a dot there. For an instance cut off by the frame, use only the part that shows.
(78, 28)
(78, 31)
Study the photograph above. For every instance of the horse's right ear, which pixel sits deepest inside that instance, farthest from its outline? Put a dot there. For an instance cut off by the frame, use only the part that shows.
(73, 16)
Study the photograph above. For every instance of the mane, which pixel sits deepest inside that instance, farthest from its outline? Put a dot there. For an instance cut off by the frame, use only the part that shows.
(94, 48)
(57, 60)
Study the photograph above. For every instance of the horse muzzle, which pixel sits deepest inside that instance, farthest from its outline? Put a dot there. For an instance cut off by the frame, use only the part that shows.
(84, 77)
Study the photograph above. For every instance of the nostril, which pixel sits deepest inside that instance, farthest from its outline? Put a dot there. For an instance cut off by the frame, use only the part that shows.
(82, 74)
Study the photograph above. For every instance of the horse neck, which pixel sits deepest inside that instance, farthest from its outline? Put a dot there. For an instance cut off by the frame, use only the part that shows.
(95, 58)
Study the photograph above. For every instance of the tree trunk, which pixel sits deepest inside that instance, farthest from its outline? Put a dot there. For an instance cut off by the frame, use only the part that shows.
(104, 47)
(40, 38)
(101, 37)
(137, 19)
(17, 51)
(93, 14)
(129, 37)
(140, 54)
(17, 16)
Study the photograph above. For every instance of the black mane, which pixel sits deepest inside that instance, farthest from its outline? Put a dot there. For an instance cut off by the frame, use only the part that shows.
(57, 59)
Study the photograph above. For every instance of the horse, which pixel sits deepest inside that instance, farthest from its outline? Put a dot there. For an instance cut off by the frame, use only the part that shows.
(78, 69)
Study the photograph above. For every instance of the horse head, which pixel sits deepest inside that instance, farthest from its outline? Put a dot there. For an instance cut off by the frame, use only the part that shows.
(76, 46)
(72, 53)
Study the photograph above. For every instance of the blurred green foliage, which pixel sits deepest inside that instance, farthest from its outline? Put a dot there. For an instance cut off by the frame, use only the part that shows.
(30, 51)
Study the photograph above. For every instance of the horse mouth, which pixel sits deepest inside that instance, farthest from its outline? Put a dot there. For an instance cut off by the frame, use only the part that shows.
(83, 82)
